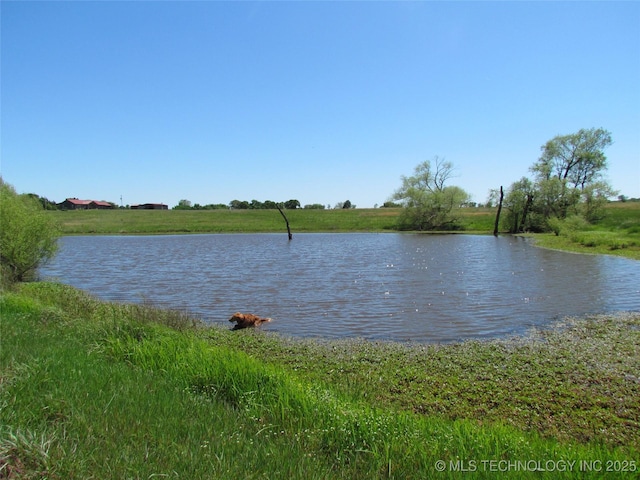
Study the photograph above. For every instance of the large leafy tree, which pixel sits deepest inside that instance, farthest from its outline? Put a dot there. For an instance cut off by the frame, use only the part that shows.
(570, 175)
(28, 238)
(568, 181)
(429, 204)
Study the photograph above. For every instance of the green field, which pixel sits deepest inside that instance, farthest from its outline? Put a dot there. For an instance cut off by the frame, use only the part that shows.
(99, 390)
(243, 221)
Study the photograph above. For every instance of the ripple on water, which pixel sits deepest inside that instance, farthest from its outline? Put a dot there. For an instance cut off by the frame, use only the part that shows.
(379, 286)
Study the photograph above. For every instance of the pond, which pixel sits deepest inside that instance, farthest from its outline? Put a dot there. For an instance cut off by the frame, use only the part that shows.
(389, 286)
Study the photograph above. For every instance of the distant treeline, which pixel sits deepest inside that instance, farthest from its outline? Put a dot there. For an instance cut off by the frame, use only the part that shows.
(241, 205)
(271, 205)
(266, 205)
(233, 205)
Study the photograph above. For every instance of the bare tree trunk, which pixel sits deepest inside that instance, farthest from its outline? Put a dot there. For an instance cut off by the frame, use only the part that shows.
(527, 205)
(285, 219)
(495, 227)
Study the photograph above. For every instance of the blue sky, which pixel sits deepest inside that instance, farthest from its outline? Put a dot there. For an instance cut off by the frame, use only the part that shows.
(315, 101)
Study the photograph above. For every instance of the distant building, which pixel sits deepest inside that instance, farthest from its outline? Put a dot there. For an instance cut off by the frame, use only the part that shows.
(150, 206)
(76, 204)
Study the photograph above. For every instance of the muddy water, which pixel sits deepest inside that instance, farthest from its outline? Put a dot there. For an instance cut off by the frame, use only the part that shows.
(423, 288)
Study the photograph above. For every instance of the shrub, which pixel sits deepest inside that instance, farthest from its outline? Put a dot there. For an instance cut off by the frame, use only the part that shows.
(567, 226)
(555, 224)
(576, 222)
(28, 238)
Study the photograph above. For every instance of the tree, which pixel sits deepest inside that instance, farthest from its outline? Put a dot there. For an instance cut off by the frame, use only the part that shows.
(291, 204)
(594, 198)
(428, 203)
(239, 204)
(569, 174)
(28, 237)
(45, 202)
(517, 202)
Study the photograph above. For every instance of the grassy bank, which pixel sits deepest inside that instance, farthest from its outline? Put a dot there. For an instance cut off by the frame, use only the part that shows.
(99, 390)
(617, 234)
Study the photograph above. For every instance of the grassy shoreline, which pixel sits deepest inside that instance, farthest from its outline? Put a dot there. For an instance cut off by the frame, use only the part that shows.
(92, 389)
(105, 390)
(617, 234)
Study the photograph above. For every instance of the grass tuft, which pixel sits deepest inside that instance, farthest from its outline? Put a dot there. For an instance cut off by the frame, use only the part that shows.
(23, 454)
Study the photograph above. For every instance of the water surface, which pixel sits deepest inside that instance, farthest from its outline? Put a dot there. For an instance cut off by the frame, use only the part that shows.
(388, 286)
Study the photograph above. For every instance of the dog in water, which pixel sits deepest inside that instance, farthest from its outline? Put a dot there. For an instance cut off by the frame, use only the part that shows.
(246, 320)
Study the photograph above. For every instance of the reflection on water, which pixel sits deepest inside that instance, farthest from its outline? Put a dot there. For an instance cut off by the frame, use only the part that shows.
(378, 286)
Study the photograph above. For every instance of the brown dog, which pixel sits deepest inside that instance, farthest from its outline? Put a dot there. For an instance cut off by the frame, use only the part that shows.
(245, 320)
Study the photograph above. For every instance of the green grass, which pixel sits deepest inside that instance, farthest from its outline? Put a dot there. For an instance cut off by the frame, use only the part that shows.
(100, 390)
(222, 221)
(618, 233)
(84, 222)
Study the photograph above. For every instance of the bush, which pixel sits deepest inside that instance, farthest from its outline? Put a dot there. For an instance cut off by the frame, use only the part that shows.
(555, 225)
(568, 226)
(28, 238)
